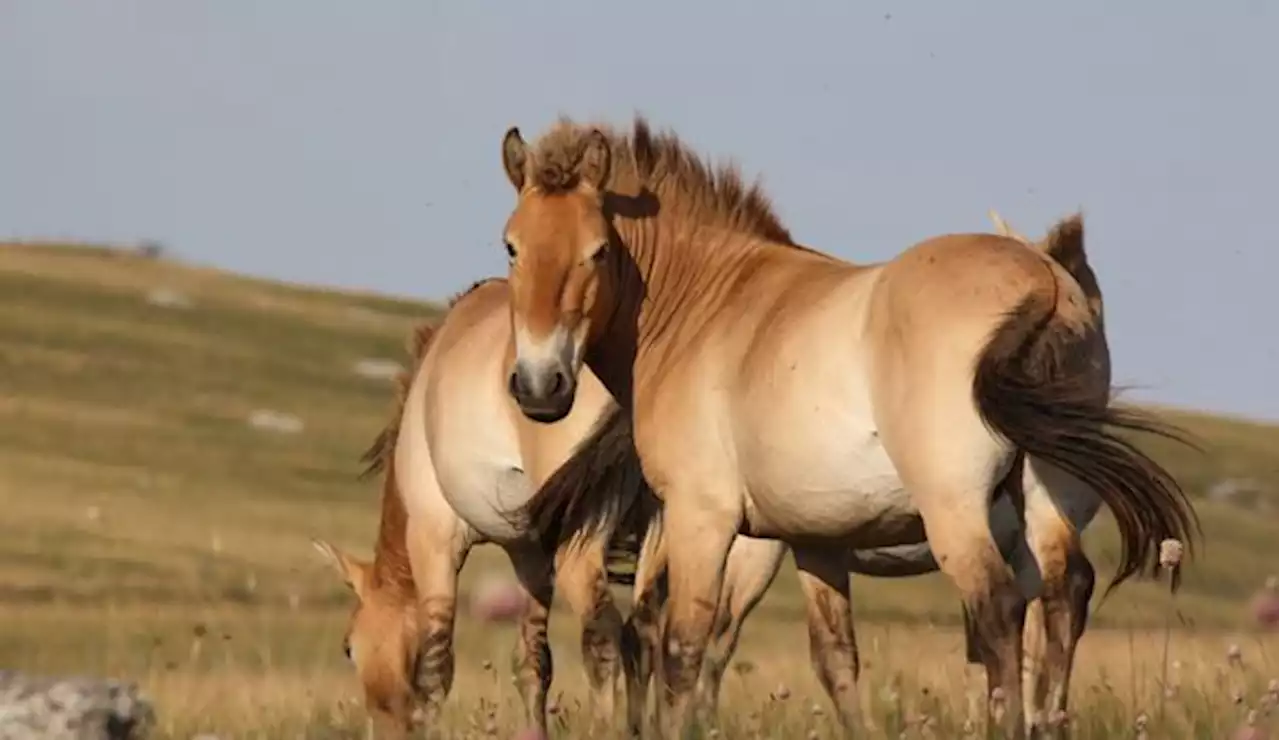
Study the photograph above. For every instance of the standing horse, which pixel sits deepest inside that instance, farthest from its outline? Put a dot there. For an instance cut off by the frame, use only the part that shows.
(559, 512)
(910, 392)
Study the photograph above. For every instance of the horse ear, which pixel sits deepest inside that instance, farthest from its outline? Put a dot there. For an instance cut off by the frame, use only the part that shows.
(353, 572)
(515, 157)
(1003, 228)
(593, 167)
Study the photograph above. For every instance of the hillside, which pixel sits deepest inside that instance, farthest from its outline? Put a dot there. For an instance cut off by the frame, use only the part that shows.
(129, 472)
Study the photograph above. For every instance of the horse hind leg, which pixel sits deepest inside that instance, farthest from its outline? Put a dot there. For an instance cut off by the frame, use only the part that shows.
(750, 570)
(951, 470)
(824, 579)
(1056, 506)
(580, 576)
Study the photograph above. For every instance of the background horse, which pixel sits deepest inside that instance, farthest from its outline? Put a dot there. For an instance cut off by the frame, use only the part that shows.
(779, 392)
(456, 456)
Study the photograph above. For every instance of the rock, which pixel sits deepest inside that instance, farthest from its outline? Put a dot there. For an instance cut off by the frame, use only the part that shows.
(377, 368)
(1234, 490)
(71, 708)
(168, 298)
(275, 421)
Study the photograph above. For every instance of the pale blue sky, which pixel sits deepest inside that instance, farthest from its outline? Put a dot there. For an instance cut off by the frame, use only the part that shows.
(357, 144)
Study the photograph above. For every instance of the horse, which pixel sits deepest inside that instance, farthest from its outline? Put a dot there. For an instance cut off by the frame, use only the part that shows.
(753, 563)
(913, 393)
(456, 456)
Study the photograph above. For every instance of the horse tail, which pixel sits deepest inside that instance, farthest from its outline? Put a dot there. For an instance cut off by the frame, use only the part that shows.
(1032, 387)
(599, 489)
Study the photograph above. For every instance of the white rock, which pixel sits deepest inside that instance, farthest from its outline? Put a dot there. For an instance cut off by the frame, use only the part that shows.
(168, 298)
(377, 368)
(275, 421)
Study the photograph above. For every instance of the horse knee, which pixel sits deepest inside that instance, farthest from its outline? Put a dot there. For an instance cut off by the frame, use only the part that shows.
(434, 665)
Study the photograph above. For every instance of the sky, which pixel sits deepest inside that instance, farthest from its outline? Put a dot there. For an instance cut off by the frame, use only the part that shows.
(358, 144)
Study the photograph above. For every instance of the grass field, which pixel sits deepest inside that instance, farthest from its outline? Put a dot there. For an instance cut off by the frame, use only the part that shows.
(140, 508)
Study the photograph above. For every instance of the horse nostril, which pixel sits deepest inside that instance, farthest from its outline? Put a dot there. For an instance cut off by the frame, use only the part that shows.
(557, 383)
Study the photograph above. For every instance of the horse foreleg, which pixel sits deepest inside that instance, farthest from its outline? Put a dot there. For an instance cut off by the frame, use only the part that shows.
(532, 661)
(698, 541)
(436, 557)
(580, 576)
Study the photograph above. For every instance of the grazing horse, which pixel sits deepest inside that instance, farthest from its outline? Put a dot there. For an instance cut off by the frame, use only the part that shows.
(457, 456)
(779, 392)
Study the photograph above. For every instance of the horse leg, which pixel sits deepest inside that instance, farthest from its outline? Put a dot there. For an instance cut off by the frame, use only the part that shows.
(699, 536)
(580, 576)
(436, 556)
(532, 661)
(1056, 504)
(752, 565)
(640, 632)
(954, 498)
(824, 579)
(992, 602)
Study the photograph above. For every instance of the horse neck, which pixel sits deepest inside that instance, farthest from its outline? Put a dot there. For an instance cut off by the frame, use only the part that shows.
(391, 570)
(669, 271)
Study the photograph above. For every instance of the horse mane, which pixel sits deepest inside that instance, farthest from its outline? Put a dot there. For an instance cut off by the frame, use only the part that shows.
(660, 164)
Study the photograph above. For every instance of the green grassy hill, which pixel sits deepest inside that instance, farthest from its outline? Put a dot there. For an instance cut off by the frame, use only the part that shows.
(129, 473)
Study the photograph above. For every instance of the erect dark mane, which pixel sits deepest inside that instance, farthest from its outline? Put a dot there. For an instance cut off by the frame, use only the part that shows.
(662, 165)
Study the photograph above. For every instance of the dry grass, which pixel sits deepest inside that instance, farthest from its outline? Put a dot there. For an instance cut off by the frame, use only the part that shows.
(268, 673)
(137, 503)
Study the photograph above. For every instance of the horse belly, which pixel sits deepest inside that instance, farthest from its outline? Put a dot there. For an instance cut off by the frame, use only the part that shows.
(835, 485)
(483, 493)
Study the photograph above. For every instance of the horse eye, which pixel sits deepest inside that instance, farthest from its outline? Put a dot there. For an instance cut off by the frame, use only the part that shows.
(601, 253)
(346, 648)
(511, 251)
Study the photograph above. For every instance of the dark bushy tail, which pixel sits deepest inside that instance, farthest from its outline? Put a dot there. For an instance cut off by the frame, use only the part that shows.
(1032, 388)
(600, 488)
